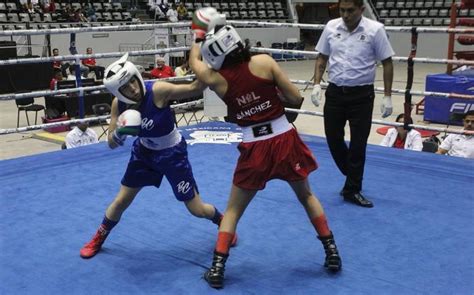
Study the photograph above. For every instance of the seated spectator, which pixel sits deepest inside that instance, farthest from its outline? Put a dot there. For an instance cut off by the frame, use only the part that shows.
(460, 145)
(72, 73)
(163, 7)
(183, 69)
(52, 6)
(161, 70)
(57, 76)
(172, 14)
(182, 11)
(78, 16)
(400, 138)
(90, 13)
(59, 64)
(81, 135)
(91, 64)
(247, 43)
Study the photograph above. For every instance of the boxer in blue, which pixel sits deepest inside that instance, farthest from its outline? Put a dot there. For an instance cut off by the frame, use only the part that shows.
(142, 109)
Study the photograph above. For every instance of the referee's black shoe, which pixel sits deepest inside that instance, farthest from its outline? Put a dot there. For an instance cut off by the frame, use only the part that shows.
(358, 199)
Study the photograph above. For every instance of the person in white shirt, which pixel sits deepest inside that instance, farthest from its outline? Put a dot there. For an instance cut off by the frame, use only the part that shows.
(72, 73)
(351, 46)
(172, 14)
(399, 137)
(81, 135)
(460, 145)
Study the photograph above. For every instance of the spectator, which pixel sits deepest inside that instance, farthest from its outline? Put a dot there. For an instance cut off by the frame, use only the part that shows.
(52, 6)
(58, 76)
(72, 73)
(400, 138)
(81, 135)
(163, 6)
(182, 11)
(59, 64)
(172, 14)
(247, 43)
(183, 69)
(90, 13)
(90, 63)
(259, 44)
(460, 145)
(78, 16)
(161, 70)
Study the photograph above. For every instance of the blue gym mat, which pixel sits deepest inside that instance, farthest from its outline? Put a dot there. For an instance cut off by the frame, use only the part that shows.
(418, 239)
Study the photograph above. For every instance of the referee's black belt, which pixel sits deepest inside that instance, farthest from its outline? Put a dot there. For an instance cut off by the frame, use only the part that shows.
(352, 89)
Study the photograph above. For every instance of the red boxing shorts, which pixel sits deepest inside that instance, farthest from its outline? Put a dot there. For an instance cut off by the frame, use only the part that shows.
(284, 156)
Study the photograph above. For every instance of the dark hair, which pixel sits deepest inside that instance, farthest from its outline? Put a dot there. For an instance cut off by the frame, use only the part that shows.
(407, 122)
(237, 56)
(55, 49)
(470, 113)
(358, 3)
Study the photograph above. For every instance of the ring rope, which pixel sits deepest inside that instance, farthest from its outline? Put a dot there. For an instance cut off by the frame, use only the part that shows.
(140, 27)
(40, 93)
(321, 27)
(144, 27)
(395, 124)
(91, 119)
(324, 85)
(186, 48)
(95, 55)
(200, 101)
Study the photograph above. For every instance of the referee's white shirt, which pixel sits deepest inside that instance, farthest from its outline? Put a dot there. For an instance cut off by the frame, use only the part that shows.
(353, 55)
(77, 138)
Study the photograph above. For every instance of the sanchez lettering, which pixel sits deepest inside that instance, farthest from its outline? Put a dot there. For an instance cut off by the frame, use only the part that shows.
(253, 110)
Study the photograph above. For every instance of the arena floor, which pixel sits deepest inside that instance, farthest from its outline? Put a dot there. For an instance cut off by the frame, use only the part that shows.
(22, 144)
(418, 239)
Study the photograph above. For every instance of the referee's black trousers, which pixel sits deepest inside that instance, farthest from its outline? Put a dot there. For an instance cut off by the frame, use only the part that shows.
(353, 104)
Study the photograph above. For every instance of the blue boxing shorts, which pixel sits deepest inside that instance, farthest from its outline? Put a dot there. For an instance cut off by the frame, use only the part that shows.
(147, 167)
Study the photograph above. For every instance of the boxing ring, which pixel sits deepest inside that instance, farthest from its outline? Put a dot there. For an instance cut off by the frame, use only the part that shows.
(418, 239)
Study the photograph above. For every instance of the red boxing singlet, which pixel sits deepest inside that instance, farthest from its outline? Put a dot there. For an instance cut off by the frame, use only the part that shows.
(250, 99)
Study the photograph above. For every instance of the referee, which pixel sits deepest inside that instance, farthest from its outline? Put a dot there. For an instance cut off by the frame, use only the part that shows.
(352, 44)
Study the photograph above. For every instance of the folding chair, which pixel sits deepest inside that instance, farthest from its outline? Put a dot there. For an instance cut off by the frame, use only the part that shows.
(27, 105)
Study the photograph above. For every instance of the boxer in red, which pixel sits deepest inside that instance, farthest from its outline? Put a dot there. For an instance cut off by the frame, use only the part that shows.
(255, 89)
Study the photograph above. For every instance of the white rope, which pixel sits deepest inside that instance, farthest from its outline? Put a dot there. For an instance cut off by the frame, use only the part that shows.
(142, 27)
(95, 55)
(324, 85)
(41, 93)
(395, 124)
(201, 101)
(186, 48)
(74, 121)
(321, 27)
(400, 91)
(394, 58)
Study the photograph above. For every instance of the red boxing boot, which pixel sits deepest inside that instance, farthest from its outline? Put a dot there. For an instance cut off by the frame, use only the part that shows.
(93, 247)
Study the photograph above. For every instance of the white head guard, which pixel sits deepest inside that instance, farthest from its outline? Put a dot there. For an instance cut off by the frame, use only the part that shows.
(118, 74)
(218, 45)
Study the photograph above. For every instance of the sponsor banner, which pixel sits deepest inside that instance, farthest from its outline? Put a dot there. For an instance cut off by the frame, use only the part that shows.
(446, 110)
(212, 133)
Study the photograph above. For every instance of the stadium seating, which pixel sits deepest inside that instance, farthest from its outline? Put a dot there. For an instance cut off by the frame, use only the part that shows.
(417, 12)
